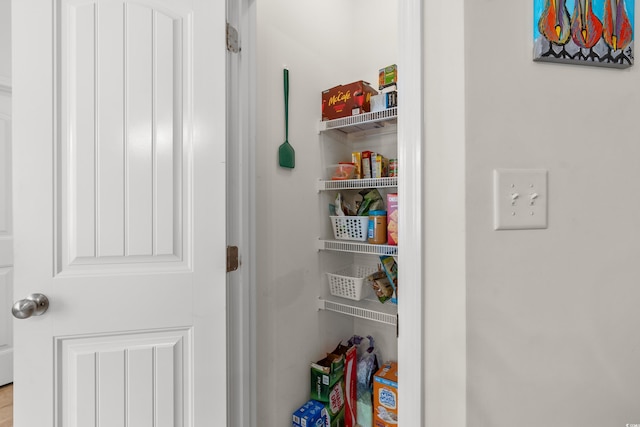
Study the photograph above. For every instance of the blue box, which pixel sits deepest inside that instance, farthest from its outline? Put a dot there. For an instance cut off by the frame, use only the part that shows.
(311, 414)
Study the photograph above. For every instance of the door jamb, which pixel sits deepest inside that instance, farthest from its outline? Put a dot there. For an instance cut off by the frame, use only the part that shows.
(410, 187)
(241, 356)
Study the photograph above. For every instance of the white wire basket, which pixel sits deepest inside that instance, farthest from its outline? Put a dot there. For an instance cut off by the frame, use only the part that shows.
(350, 282)
(350, 227)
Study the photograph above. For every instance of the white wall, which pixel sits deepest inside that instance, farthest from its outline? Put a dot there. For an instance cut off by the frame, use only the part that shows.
(552, 314)
(5, 40)
(324, 43)
(444, 231)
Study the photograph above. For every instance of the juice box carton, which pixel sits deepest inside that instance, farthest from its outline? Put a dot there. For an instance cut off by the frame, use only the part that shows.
(325, 374)
(311, 414)
(350, 383)
(392, 219)
(385, 396)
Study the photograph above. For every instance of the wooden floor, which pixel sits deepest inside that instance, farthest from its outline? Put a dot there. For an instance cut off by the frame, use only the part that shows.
(6, 406)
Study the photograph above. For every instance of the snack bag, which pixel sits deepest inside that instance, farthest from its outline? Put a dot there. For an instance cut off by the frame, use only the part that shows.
(391, 270)
(381, 285)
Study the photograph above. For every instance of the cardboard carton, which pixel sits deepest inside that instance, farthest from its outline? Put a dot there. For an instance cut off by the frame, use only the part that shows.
(350, 383)
(325, 374)
(385, 396)
(388, 76)
(367, 157)
(392, 219)
(311, 414)
(347, 100)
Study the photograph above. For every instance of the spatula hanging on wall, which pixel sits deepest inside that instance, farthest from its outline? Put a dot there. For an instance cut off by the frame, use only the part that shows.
(286, 153)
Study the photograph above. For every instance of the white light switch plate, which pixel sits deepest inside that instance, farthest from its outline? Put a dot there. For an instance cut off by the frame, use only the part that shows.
(520, 199)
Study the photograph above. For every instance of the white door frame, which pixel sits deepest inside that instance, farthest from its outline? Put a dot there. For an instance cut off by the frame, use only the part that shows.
(411, 337)
(241, 72)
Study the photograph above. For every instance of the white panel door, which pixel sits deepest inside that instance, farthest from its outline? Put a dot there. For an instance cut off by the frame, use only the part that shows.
(6, 239)
(119, 212)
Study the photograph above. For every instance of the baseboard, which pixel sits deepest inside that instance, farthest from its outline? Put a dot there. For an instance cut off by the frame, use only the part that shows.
(6, 366)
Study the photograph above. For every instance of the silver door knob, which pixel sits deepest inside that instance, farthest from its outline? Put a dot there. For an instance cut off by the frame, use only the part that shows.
(33, 305)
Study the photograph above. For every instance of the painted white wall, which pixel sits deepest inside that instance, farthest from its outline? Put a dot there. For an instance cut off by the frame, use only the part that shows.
(552, 315)
(324, 43)
(5, 40)
(444, 210)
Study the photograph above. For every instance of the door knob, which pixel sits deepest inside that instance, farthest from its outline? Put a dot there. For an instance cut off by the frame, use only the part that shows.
(33, 305)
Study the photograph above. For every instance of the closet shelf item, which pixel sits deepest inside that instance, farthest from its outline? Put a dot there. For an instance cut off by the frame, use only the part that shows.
(358, 184)
(351, 282)
(357, 247)
(359, 124)
(369, 310)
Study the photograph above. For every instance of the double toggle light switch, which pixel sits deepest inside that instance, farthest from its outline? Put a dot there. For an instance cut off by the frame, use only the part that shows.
(520, 199)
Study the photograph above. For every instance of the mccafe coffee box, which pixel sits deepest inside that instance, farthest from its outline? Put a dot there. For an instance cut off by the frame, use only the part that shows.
(347, 100)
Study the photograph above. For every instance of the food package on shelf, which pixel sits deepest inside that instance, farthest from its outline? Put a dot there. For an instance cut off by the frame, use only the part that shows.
(390, 267)
(383, 101)
(385, 396)
(311, 414)
(350, 382)
(325, 375)
(387, 76)
(328, 387)
(347, 100)
(392, 219)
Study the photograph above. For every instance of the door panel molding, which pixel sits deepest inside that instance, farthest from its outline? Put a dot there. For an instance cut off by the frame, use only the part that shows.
(5, 177)
(123, 161)
(107, 378)
(6, 331)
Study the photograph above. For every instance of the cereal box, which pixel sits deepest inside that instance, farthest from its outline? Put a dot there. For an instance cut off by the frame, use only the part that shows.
(392, 219)
(385, 396)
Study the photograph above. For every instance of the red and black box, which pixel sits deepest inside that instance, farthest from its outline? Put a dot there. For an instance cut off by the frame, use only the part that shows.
(347, 100)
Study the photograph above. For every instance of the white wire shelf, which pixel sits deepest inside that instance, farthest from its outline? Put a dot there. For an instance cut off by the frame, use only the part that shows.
(362, 123)
(357, 247)
(357, 184)
(368, 310)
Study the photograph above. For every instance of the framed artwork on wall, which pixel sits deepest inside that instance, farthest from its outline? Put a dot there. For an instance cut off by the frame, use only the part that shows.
(585, 32)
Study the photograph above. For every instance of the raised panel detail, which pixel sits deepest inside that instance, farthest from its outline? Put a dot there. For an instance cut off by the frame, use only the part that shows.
(5, 305)
(5, 175)
(131, 379)
(123, 174)
(6, 330)
(6, 249)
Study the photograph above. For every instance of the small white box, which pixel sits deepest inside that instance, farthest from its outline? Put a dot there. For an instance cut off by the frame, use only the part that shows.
(378, 102)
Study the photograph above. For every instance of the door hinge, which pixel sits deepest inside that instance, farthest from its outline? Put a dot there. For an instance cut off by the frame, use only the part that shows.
(232, 258)
(233, 41)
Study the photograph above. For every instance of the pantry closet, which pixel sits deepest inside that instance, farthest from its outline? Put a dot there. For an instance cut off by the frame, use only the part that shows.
(324, 44)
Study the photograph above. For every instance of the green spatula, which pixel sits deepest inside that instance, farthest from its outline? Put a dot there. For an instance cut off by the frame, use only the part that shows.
(286, 153)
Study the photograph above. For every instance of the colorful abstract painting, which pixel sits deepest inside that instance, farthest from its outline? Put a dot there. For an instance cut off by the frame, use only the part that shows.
(587, 32)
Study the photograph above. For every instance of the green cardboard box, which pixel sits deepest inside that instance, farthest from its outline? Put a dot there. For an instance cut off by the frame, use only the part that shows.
(336, 420)
(325, 374)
